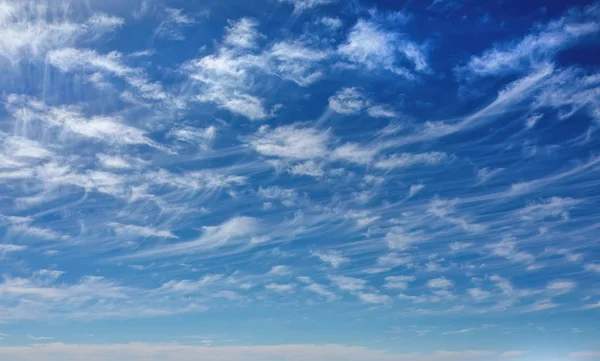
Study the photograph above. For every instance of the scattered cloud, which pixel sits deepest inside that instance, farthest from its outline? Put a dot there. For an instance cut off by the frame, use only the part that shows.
(242, 33)
(348, 283)
(171, 26)
(10, 248)
(373, 47)
(539, 46)
(440, 283)
(333, 258)
(403, 160)
(303, 5)
(281, 288)
(479, 294)
(290, 142)
(398, 282)
(279, 271)
(592, 267)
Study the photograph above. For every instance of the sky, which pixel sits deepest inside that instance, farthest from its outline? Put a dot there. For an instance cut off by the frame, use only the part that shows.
(298, 180)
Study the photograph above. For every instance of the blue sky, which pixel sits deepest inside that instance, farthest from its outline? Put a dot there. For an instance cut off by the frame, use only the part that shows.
(299, 179)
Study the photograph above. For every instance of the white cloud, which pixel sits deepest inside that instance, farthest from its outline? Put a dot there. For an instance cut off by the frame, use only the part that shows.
(332, 23)
(29, 30)
(532, 120)
(503, 284)
(195, 180)
(381, 111)
(39, 338)
(201, 137)
(10, 248)
(231, 232)
(103, 23)
(43, 297)
(250, 106)
(348, 101)
(111, 64)
(334, 258)
(459, 332)
(115, 162)
(507, 248)
(592, 267)
(407, 159)
(17, 148)
(554, 207)
(569, 91)
(309, 168)
(354, 153)
(561, 287)
(440, 283)
(374, 48)
(52, 174)
(400, 239)
(225, 80)
(351, 101)
(591, 306)
(373, 298)
(445, 210)
(348, 283)
(485, 174)
(37, 232)
(362, 218)
(189, 286)
(541, 305)
(171, 24)
(539, 46)
(279, 271)
(288, 197)
(398, 282)
(478, 294)
(292, 142)
(281, 288)
(414, 189)
(109, 129)
(303, 5)
(228, 76)
(242, 33)
(390, 261)
(296, 61)
(140, 231)
(320, 290)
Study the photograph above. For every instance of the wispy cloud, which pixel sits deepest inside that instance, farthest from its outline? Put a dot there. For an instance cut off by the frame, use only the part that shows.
(374, 48)
(172, 21)
(227, 234)
(302, 5)
(333, 258)
(537, 47)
